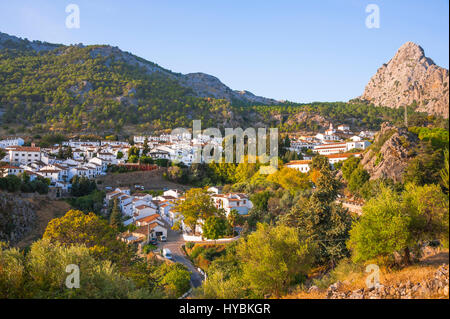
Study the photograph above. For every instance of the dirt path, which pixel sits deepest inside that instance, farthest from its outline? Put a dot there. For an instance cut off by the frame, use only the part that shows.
(47, 210)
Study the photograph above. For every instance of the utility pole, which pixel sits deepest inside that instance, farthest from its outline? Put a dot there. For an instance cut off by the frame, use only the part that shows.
(406, 116)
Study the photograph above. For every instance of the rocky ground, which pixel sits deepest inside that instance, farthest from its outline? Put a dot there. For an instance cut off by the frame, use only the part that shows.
(434, 287)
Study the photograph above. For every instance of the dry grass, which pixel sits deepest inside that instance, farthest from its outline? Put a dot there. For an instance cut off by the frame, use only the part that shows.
(416, 273)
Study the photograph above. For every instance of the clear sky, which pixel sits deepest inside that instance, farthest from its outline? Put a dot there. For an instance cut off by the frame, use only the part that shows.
(297, 50)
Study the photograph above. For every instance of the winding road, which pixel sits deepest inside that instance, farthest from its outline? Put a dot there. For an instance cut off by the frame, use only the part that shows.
(174, 243)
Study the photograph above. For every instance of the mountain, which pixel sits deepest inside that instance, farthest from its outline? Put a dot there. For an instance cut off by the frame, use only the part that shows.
(202, 85)
(410, 78)
(102, 90)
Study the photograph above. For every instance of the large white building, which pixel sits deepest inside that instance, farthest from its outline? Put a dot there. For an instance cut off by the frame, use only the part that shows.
(304, 166)
(335, 148)
(24, 154)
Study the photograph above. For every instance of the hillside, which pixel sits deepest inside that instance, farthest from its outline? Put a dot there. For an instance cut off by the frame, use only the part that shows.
(410, 78)
(102, 90)
(426, 280)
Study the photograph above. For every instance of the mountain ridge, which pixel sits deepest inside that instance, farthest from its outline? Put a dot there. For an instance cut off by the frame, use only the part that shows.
(202, 84)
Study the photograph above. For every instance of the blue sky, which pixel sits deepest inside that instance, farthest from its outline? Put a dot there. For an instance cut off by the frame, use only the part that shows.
(301, 51)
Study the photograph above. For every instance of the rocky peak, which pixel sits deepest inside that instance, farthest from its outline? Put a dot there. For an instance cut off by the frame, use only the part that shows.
(409, 50)
(410, 78)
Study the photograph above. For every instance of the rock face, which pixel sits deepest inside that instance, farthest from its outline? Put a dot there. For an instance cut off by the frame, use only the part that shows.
(17, 218)
(410, 77)
(429, 288)
(205, 85)
(389, 155)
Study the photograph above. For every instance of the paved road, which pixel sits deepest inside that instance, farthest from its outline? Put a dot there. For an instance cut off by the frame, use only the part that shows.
(174, 242)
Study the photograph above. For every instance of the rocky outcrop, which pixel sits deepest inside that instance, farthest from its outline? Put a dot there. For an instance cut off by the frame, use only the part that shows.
(410, 78)
(205, 85)
(429, 288)
(390, 153)
(12, 42)
(17, 218)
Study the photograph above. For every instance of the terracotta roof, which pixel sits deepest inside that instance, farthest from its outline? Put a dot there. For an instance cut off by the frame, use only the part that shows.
(342, 155)
(49, 171)
(144, 229)
(26, 149)
(10, 167)
(143, 207)
(302, 162)
(148, 219)
(330, 146)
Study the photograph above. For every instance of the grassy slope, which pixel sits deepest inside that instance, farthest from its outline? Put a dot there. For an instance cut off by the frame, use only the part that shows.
(356, 280)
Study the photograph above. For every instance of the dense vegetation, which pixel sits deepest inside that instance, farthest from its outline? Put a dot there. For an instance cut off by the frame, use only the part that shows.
(108, 267)
(13, 183)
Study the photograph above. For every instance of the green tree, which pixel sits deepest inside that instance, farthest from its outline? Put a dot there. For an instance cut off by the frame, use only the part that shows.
(445, 172)
(145, 148)
(349, 165)
(320, 163)
(77, 228)
(216, 227)
(381, 230)
(115, 218)
(357, 180)
(320, 218)
(273, 258)
(196, 205)
(393, 222)
(175, 279)
(234, 218)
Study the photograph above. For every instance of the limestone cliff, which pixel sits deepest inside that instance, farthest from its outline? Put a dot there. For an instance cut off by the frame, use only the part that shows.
(410, 78)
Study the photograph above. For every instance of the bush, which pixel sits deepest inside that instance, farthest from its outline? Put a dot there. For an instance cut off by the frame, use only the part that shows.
(148, 248)
(196, 251)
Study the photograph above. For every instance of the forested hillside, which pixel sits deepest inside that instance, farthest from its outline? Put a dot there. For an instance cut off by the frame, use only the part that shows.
(101, 89)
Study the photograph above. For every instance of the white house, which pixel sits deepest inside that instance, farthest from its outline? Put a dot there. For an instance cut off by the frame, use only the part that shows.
(172, 192)
(11, 170)
(233, 201)
(24, 154)
(344, 128)
(14, 141)
(331, 148)
(144, 210)
(334, 158)
(301, 166)
(215, 189)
